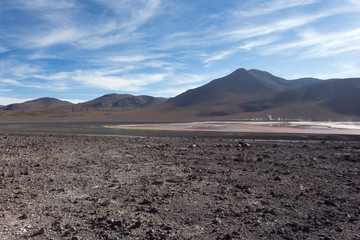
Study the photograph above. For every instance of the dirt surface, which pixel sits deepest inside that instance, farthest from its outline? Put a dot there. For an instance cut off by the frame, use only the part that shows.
(68, 186)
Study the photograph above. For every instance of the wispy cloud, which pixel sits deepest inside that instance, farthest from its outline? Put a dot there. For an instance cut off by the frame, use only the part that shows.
(137, 12)
(2, 49)
(17, 69)
(58, 36)
(42, 5)
(277, 26)
(273, 6)
(107, 79)
(249, 45)
(189, 79)
(129, 82)
(135, 58)
(84, 29)
(315, 45)
(42, 55)
(7, 81)
(218, 56)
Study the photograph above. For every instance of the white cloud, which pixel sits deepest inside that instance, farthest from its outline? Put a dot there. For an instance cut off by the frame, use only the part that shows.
(42, 4)
(17, 69)
(315, 45)
(182, 79)
(137, 12)
(274, 6)
(58, 36)
(2, 49)
(74, 100)
(279, 26)
(10, 100)
(249, 45)
(8, 81)
(42, 55)
(218, 56)
(83, 29)
(135, 58)
(108, 79)
(341, 69)
(172, 92)
(168, 92)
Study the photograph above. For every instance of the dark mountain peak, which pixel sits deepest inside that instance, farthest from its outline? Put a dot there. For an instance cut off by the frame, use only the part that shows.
(236, 87)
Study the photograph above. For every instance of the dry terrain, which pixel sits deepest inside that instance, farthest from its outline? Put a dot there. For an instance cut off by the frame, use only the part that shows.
(70, 186)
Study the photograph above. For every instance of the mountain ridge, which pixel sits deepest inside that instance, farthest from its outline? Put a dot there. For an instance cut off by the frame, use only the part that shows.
(243, 94)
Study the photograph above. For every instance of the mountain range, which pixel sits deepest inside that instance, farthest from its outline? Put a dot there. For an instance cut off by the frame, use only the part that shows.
(243, 94)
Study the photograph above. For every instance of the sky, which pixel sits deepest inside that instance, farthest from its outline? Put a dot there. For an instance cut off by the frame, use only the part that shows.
(78, 50)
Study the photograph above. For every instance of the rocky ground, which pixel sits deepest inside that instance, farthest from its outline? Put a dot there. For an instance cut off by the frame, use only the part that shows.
(58, 186)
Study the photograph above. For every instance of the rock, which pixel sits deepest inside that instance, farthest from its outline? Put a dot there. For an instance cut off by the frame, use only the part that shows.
(216, 221)
(227, 237)
(243, 145)
(329, 203)
(24, 216)
(306, 229)
(277, 178)
(153, 210)
(158, 182)
(167, 228)
(145, 202)
(137, 224)
(41, 231)
(339, 229)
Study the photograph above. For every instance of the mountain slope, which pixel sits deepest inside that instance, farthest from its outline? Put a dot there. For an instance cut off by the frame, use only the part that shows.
(238, 87)
(38, 104)
(224, 96)
(120, 101)
(339, 95)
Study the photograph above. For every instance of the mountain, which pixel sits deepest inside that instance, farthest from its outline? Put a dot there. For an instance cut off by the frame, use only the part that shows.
(243, 94)
(240, 86)
(223, 96)
(38, 104)
(125, 101)
(339, 95)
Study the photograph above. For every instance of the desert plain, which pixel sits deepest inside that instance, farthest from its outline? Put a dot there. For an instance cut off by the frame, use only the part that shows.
(72, 183)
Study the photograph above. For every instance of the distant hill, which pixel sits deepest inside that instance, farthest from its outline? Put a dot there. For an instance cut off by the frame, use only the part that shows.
(38, 104)
(125, 101)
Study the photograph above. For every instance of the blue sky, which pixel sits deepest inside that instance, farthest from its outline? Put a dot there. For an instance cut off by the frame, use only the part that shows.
(78, 50)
